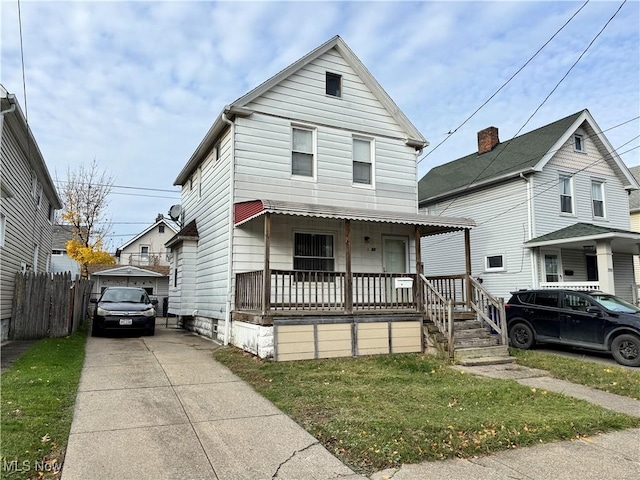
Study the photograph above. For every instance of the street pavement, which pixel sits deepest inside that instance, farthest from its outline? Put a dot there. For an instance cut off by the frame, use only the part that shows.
(161, 407)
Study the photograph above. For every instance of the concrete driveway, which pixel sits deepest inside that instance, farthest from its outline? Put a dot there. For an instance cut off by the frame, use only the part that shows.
(161, 407)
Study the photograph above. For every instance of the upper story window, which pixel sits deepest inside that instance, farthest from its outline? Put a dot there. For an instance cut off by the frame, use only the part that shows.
(3, 226)
(578, 143)
(566, 194)
(431, 210)
(160, 228)
(302, 152)
(597, 198)
(313, 252)
(57, 252)
(334, 84)
(362, 161)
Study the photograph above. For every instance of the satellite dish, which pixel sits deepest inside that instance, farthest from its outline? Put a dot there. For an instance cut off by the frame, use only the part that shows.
(174, 212)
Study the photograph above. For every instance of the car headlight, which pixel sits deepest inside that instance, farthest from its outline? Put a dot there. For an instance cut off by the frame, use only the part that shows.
(102, 312)
(149, 313)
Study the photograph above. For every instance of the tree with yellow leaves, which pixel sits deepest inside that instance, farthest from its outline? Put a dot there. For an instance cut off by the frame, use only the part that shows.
(85, 201)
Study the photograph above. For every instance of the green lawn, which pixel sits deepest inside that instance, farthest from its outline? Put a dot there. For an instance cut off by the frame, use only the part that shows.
(613, 379)
(382, 411)
(38, 398)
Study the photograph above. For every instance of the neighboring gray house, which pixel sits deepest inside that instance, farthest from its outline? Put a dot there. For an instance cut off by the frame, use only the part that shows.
(301, 235)
(551, 208)
(634, 211)
(28, 203)
(61, 262)
(147, 248)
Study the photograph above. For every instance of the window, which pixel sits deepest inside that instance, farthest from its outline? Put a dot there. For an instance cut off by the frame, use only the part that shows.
(566, 194)
(597, 198)
(175, 276)
(334, 84)
(313, 252)
(546, 299)
(362, 163)
(578, 143)
(302, 152)
(3, 226)
(573, 301)
(431, 210)
(160, 228)
(494, 263)
(57, 252)
(144, 253)
(52, 213)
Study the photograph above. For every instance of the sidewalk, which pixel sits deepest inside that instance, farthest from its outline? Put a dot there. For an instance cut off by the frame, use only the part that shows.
(160, 407)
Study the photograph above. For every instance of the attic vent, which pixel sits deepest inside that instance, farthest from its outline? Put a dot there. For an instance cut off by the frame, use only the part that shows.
(334, 84)
(487, 140)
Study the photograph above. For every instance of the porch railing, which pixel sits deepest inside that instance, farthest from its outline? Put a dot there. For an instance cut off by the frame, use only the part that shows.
(451, 287)
(439, 310)
(294, 290)
(489, 310)
(584, 286)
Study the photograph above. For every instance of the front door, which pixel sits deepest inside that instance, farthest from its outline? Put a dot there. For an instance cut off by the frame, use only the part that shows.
(552, 267)
(394, 260)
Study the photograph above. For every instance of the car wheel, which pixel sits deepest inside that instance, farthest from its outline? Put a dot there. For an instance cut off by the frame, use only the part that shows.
(521, 336)
(625, 349)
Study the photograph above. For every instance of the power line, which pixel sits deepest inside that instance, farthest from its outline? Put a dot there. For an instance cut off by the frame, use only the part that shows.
(450, 134)
(124, 186)
(546, 98)
(141, 195)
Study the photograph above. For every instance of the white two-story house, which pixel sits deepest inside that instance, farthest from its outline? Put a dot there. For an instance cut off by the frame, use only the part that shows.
(551, 208)
(302, 234)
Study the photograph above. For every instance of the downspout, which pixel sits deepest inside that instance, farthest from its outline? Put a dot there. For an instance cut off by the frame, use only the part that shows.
(12, 107)
(531, 224)
(232, 169)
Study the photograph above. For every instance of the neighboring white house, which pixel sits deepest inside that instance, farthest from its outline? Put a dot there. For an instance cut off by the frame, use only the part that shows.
(301, 235)
(28, 203)
(551, 208)
(634, 211)
(61, 262)
(147, 248)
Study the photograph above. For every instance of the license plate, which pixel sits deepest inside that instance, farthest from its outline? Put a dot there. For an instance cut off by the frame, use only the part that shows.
(126, 321)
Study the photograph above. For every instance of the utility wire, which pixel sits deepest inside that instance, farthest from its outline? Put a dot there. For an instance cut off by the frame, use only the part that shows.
(126, 186)
(546, 98)
(451, 132)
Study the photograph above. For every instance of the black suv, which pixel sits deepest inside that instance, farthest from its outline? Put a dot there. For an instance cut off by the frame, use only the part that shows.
(590, 320)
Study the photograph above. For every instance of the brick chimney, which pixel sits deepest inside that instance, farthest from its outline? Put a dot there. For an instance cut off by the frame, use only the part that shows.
(487, 140)
(159, 217)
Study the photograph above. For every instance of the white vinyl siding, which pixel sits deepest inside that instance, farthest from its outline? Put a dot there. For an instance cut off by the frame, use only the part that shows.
(444, 254)
(623, 275)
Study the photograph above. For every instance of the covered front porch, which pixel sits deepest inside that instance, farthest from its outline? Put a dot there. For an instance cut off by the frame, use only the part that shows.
(587, 257)
(356, 286)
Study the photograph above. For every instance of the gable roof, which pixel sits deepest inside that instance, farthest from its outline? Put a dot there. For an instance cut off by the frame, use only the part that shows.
(147, 230)
(634, 197)
(238, 108)
(128, 270)
(523, 154)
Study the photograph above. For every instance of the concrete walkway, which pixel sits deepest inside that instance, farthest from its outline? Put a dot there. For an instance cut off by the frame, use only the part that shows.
(160, 407)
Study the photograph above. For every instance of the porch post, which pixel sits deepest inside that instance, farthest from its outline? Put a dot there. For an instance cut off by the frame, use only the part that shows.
(467, 260)
(348, 281)
(417, 288)
(266, 274)
(605, 266)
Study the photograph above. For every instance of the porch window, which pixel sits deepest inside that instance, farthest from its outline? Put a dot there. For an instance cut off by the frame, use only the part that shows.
(302, 152)
(597, 198)
(362, 161)
(566, 194)
(313, 252)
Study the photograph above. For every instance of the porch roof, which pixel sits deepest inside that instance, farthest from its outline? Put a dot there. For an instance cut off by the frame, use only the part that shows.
(428, 224)
(581, 235)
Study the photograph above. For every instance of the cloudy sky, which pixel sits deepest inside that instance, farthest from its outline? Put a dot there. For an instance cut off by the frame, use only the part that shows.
(136, 85)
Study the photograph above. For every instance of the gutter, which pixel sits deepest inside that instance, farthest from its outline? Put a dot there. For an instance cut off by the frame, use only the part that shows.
(12, 101)
(232, 169)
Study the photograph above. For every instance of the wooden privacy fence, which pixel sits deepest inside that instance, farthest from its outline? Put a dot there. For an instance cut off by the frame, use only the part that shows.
(46, 305)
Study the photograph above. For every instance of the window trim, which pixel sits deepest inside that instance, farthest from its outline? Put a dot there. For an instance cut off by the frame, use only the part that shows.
(580, 138)
(3, 228)
(501, 268)
(326, 84)
(603, 200)
(569, 177)
(314, 152)
(372, 156)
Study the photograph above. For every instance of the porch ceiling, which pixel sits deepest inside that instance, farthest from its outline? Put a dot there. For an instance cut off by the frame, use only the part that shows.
(427, 224)
(581, 235)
